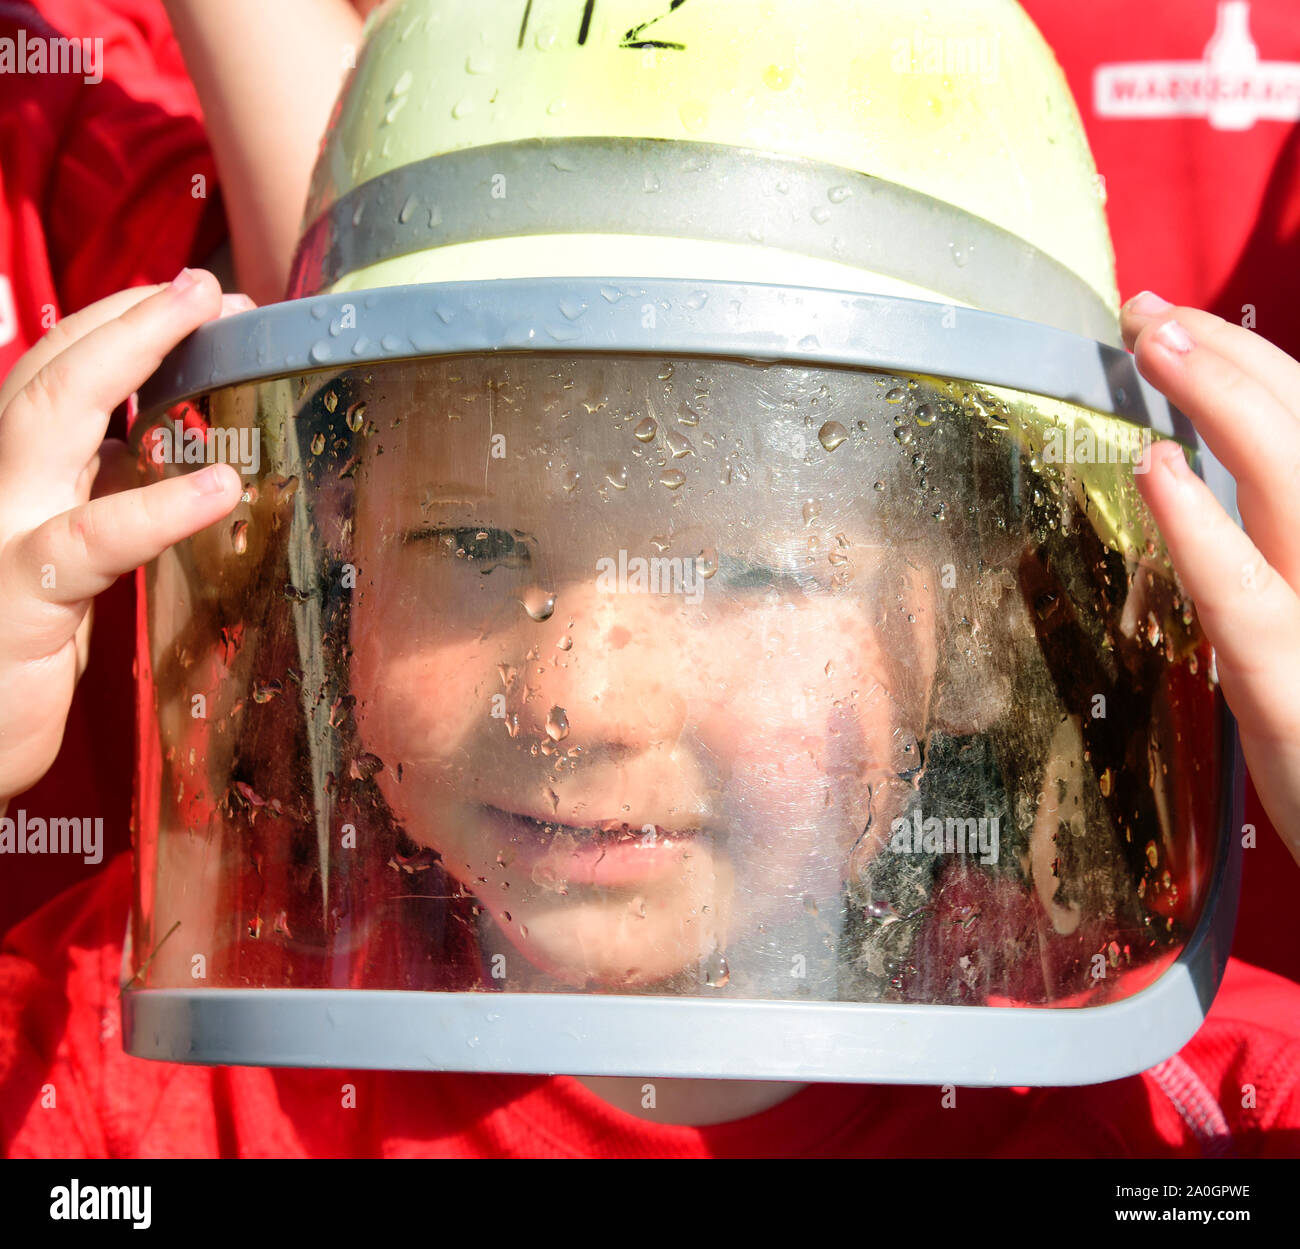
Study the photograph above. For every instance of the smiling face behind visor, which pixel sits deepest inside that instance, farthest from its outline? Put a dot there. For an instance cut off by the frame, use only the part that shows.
(644, 657)
(646, 675)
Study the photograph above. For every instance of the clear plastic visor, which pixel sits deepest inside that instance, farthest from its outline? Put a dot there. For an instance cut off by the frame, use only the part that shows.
(626, 674)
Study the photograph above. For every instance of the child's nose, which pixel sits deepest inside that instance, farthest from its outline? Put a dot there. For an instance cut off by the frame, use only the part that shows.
(622, 680)
(645, 669)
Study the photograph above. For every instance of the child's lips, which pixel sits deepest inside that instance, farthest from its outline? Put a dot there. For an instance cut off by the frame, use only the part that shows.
(608, 854)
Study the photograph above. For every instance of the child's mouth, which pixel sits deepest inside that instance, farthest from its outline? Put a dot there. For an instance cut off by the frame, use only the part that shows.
(609, 854)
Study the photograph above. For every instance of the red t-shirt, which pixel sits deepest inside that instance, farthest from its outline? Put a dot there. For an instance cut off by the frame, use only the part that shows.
(103, 185)
(100, 186)
(1234, 1088)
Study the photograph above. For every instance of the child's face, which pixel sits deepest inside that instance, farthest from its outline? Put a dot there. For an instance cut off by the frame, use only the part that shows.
(631, 782)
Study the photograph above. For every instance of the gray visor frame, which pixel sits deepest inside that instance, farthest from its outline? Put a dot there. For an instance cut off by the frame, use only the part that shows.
(586, 1034)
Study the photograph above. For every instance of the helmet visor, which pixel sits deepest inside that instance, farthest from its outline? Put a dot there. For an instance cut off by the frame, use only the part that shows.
(669, 675)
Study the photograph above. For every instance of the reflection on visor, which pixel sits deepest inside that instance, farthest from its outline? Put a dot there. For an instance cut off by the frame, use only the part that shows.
(621, 674)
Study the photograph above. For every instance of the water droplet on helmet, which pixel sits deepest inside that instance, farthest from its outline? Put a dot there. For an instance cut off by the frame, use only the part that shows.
(646, 430)
(557, 724)
(925, 415)
(356, 416)
(672, 479)
(616, 475)
(706, 562)
(239, 536)
(317, 443)
(538, 603)
(831, 435)
(364, 766)
(693, 115)
(777, 77)
(811, 510)
(249, 794)
(714, 970)
(679, 444)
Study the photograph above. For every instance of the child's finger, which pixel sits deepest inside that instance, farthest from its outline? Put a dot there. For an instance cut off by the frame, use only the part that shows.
(1252, 618)
(52, 426)
(1249, 613)
(1251, 353)
(78, 324)
(67, 331)
(1252, 433)
(72, 557)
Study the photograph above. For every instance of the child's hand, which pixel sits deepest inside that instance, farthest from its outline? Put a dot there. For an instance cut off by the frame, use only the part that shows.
(1243, 396)
(65, 531)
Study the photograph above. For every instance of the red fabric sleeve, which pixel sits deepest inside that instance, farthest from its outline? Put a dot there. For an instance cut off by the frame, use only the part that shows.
(109, 183)
(133, 197)
(98, 182)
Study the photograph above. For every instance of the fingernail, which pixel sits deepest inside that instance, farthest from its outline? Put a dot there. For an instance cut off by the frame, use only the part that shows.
(1147, 304)
(211, 480)
(184, 280)
(1165, 456)
(1173, 336)
(231, 304)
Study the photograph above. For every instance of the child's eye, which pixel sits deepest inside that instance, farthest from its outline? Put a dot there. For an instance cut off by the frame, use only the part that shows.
(485, 549)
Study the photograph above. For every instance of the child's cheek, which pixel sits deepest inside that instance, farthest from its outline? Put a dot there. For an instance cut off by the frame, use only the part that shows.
(421, 687)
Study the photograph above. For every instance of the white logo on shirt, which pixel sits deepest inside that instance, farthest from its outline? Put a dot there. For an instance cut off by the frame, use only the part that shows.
(1232, 88)
(8, 317)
